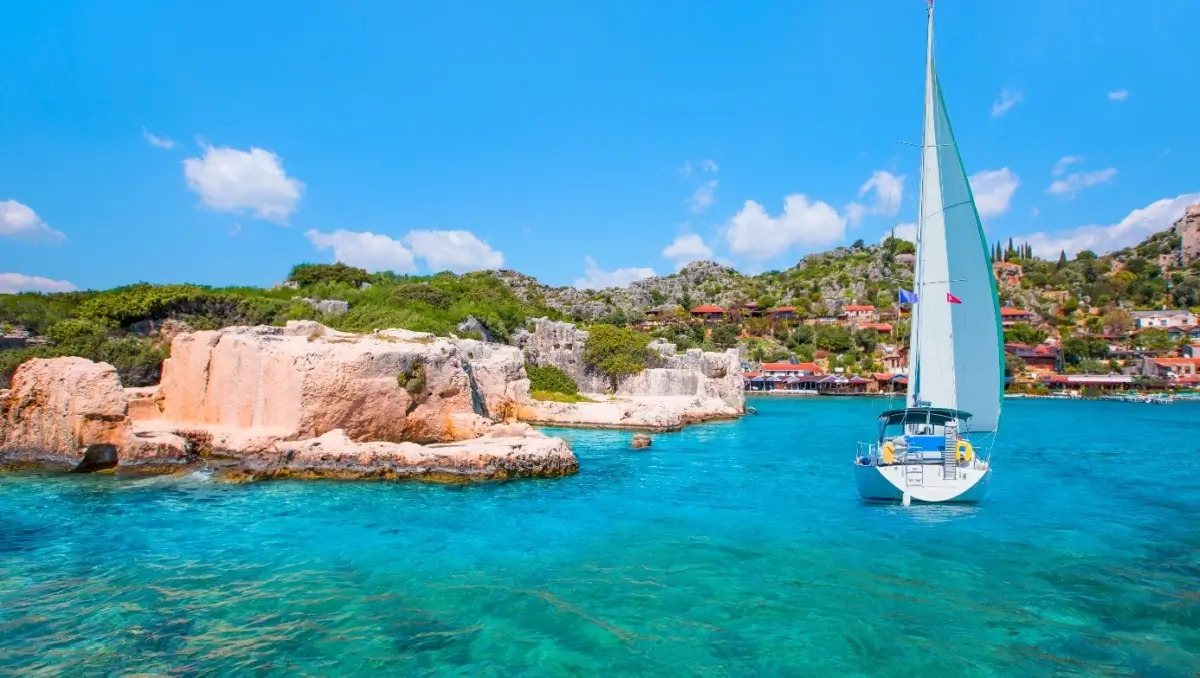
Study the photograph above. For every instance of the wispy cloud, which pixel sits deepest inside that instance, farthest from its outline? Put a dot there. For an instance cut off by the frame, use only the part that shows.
(888, 190)
(1131, 230)
(157, 141)
(703, 197)
(706, 193)
(1065, 162)
(596, 279)
(1077, 181)
(1007, 100)
(11, 283)
(18, 220)
(1118, 95)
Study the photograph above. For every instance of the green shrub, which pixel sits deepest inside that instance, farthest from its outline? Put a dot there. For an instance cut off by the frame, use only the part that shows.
(423, 293)
(412, 380)
(312, 274)
(616, 351)
(549, 378)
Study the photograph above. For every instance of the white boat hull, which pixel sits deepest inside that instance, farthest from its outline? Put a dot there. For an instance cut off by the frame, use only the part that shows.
(922, 482)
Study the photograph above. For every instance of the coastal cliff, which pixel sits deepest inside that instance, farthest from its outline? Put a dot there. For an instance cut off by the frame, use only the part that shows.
(300, 401)
(675, 391)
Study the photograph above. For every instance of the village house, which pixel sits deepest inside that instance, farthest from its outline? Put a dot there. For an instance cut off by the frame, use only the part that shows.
(860, 315)
(1170, 368)
(882, 328)
(895, 360)
(660, 315)
(783, 313)
(708, 314)
(1103, 382)
(1189, 332)
(1164, 318)
(1011, 316)
(789, 369)
(1190, 351)
(1040, 358)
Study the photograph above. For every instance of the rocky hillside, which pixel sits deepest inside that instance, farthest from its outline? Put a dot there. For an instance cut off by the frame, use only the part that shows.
(817, 285)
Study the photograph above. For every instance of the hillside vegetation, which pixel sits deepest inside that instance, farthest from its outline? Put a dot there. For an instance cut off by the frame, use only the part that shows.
(1076, 297)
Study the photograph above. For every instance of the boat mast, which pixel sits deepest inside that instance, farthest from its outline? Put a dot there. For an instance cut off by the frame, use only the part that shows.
(927, 138)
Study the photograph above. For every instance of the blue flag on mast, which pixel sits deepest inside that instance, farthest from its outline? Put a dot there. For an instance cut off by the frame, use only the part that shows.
(907, 297)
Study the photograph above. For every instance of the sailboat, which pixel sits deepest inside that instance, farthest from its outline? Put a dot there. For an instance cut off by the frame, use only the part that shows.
(938, 447)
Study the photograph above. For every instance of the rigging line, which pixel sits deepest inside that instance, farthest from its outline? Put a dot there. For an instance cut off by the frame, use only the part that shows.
(947, 207)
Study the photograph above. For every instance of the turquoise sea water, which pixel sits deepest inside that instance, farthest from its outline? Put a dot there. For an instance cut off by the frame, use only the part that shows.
(737, 548)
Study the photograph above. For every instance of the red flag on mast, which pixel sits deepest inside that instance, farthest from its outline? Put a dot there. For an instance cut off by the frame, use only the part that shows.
(953, 299)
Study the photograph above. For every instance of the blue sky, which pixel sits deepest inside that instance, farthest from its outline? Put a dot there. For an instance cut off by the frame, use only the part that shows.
(222, 142)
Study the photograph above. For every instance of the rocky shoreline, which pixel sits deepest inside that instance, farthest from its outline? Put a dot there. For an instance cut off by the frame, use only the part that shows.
(304, 401)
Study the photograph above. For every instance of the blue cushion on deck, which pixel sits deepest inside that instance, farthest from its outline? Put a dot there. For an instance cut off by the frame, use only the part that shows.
(926, 443)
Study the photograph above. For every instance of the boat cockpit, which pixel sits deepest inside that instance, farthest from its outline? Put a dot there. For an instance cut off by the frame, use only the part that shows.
(919, 435)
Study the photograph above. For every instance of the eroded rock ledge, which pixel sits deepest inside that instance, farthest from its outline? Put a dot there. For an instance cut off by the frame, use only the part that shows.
(301, 401)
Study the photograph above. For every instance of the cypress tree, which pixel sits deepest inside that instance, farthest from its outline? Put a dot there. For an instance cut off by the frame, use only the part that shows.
(1062, 259)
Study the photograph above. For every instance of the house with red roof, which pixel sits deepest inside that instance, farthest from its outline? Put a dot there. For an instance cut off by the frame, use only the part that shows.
(789, 369)
(783, 313)
(1170, 368)
(860, 314)
(1010, 316)
(1037, 358)
(709, 314)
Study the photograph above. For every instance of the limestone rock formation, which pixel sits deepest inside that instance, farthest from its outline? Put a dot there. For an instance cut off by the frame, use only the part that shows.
(334, 455)
(560, 344)
(58, 408)
(328, 307)
(296, 401)
(687, 388)
(304, 380)
(1188, 228)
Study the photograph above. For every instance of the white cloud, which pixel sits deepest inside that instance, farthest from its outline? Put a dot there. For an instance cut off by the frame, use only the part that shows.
(1005, 103)
(1131, 230)
(1073, 183)
(705, 166)
(371, 251)
(596, 279)
(686, 248)
(993, 191)
(1119, 95)
(230, 180)
(458, 251)
(888, 190)
(755, 234)
(20, 221)
(906, 231)
(1065, 162)
(157, 141)
(11, 283)
(704, 196)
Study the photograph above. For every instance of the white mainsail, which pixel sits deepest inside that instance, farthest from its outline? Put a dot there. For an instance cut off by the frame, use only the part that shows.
(956, 359)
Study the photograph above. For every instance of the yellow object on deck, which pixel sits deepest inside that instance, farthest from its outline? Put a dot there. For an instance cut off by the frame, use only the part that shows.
(963, 451)
(889, 452)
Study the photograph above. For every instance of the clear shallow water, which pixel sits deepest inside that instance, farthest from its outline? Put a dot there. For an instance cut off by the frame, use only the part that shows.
(737, 548)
